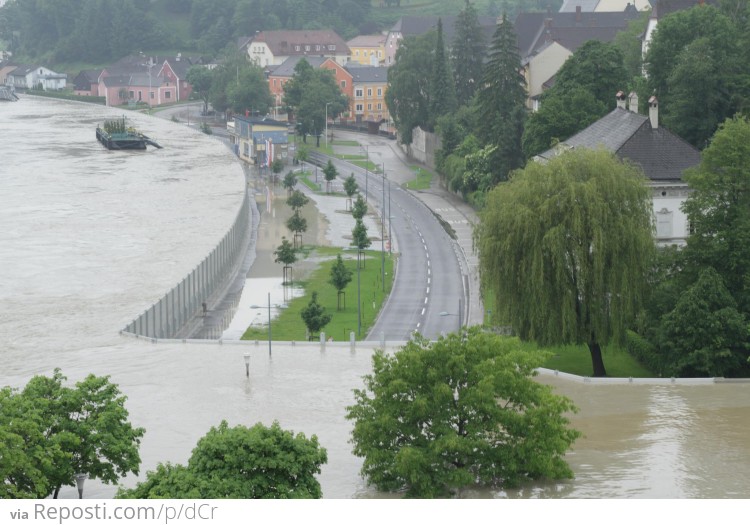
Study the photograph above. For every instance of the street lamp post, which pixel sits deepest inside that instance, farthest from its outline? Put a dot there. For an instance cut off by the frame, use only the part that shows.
(80, 478)
(269, 323)
(367, 161)
(382, 232)
(390, 220)
(327, 103)
(460, 314)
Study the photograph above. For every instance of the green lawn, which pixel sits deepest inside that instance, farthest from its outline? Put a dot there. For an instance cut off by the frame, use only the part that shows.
(422, 181)
(576, 359)
(288, 326)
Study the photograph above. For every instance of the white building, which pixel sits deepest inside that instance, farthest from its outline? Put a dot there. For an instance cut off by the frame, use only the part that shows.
(662, 155)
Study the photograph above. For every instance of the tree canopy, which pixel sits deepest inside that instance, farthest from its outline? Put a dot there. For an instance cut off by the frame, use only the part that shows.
(565, 247)
(240, 463)
(53, 432)
(467, 53)
(697, 70)
(438, 416)
(341, 276)
(718, 209)
(409, 88)
(501, 105)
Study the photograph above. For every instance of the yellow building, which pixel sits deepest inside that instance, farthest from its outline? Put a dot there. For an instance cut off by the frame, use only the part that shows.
(369, 83)
(368, 50)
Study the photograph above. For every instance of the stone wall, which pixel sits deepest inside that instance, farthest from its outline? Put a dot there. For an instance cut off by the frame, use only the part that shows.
(423, 148)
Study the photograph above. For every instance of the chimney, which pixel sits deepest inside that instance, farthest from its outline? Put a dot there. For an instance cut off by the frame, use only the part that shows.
(633, 102)
(620, 99)
(578, 13)
(653, 112)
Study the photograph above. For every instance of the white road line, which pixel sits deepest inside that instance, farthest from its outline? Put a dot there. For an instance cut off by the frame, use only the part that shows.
(428, 290)
(422, 311)
(425, 300)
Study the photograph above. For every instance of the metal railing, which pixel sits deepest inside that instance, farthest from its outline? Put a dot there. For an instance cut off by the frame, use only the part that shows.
(186, 303)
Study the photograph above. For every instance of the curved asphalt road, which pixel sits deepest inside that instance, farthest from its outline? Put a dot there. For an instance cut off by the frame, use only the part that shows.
(428, 276)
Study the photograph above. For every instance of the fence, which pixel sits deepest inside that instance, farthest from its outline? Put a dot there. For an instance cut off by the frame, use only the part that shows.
(186, 301)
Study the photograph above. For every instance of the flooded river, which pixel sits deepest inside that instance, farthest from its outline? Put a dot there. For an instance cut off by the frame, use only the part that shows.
(90, 238)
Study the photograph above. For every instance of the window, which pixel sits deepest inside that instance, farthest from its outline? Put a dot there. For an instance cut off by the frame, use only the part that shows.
(380, 106)
(369, 92)
(356, 52)
(664, 223)
(358, 108)
(132, 94)
(358, 92)
(167, 94)
(331, 47)
(307, 48)
(317, 47)
(343, 84)
(139, 95)
(369, 107)
(296, 48)
(274, 82)
(380, 92)
(380, 54)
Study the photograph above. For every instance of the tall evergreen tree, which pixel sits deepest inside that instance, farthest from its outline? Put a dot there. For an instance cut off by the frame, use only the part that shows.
(443, 96)
(500, 102)
(467, 54)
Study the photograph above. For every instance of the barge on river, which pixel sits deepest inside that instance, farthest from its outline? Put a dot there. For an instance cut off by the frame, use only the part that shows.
(116, 134)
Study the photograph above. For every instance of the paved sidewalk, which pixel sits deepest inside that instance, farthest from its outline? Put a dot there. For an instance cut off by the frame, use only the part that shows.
(453, 211)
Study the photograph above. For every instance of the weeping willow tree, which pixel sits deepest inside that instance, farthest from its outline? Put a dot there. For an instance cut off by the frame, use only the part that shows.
(565, 247)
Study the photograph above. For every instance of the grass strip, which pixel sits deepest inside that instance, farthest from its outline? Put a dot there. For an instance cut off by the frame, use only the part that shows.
(288, 326)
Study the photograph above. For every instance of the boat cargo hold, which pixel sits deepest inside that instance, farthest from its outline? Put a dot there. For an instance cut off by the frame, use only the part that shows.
(116, 134)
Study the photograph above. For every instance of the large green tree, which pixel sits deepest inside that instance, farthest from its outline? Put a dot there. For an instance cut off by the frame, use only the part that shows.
(696, 69)
(501, 104)
(467, 53)
(312, 95)
(240, 463)
(442, 90)
(705, 335)
(66, 431)
(438, 416)
(408, 93)
(200, 78)
(596, 67)
(565, 246)
(562, 114)
(718, 209)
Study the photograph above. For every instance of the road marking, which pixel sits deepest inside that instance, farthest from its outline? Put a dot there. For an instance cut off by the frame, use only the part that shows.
(425, 300)
(428, 290)
(422, 313)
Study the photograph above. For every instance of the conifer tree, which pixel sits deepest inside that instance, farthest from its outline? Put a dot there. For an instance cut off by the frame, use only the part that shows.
(500, 102)
(443, 96)
(467, 53)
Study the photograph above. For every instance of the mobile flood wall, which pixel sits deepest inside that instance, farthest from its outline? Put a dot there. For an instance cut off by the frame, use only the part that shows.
(177, 313)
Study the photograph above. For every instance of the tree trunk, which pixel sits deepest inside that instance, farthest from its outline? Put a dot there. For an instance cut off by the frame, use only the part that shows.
(596, 359)
(57, 492)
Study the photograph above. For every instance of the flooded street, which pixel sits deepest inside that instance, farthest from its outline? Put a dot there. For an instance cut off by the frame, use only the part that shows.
(90, 238)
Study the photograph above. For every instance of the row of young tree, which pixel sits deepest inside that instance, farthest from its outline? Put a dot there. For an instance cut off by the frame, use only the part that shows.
(314, 315)
(475, 99)
(579, 232)
(99, 31)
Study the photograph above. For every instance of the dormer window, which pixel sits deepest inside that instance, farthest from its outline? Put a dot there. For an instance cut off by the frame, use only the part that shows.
(331, 47)
(296, 48)
(307, 48)
(317, 47)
